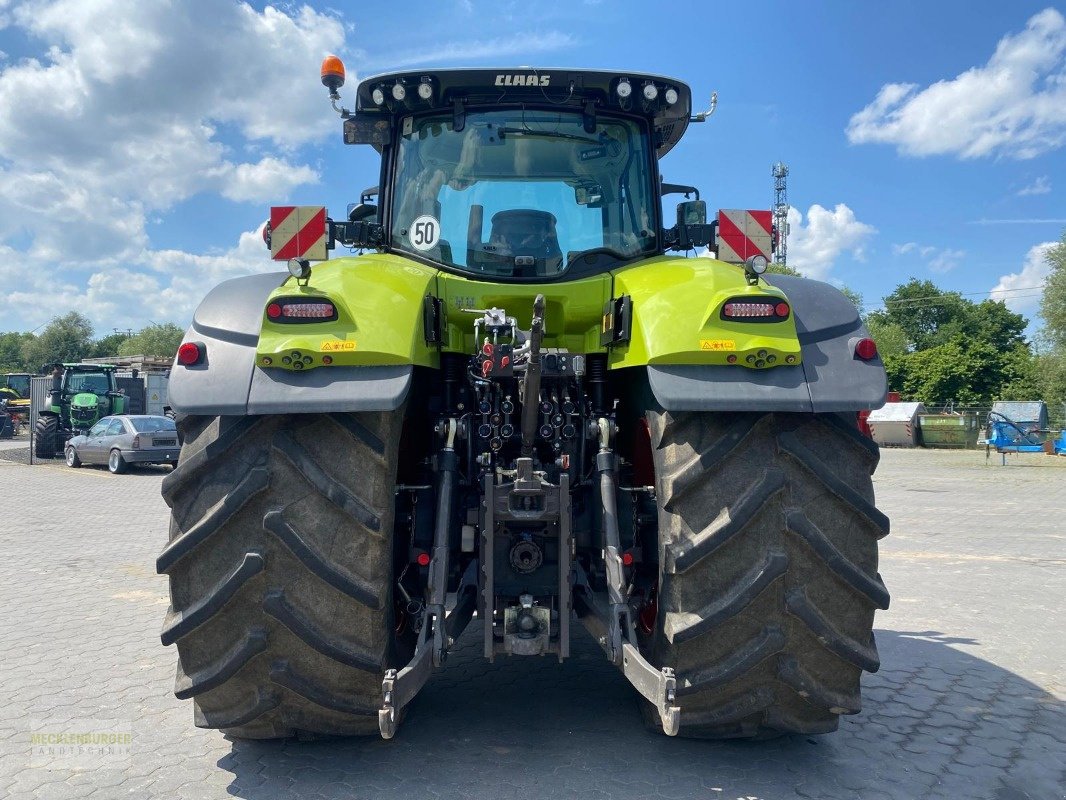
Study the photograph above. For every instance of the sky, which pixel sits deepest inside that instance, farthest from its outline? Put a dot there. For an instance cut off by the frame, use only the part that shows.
(142, 144)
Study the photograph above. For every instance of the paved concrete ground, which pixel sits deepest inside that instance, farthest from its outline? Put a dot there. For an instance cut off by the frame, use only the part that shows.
(969, 702)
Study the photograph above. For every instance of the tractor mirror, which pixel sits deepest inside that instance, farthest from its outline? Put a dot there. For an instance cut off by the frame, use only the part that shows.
(361, 212)
(691, 212)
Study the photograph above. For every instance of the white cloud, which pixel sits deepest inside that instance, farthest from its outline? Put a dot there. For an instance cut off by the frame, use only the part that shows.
(161, 285)
(122, 118)
(923, 250)
(814, 247)
(1041, 185)
(264, 181)
(946, 260)
(518, 44)
(129, 110)
(938, 259)
(1016, 289)
(1015, 105)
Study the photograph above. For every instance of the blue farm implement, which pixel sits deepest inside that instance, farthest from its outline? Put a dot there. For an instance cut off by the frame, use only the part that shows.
(1008, 436)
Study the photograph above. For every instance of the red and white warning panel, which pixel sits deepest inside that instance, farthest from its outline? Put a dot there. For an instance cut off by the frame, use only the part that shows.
(743, 234)
(298, 232)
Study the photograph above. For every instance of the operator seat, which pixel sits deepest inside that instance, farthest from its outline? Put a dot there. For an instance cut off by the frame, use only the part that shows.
(527, 232)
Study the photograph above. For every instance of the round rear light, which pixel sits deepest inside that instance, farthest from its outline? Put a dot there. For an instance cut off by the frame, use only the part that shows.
(189, 353)
(781, 309)
(866, 349)
(627, 559)
(423, 559)
(273, 310)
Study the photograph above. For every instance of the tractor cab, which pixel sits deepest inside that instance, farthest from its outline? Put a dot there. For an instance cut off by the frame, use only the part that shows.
(519, 176)
(19, 384)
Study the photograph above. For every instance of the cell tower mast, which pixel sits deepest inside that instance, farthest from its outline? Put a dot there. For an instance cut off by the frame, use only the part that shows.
(780, 172)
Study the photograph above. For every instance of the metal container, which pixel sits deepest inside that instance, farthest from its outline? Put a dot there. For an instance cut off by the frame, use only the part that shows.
(953, 431)
(895, 424)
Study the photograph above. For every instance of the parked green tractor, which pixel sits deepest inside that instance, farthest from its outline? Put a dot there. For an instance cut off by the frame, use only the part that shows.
(81, 394)
(521, 398)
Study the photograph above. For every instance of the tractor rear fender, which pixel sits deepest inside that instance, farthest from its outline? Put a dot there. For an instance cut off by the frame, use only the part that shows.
(828, 378)
(228, 323)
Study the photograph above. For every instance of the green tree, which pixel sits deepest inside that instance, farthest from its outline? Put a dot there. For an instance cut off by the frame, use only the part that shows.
(966, 371)
(854, 297)
(108, 345)
(67, 338)
(11, 357)
(891, 338)
(782, 269)
(989, 321)
(1053, 301)
(925, 312)
(153, 340)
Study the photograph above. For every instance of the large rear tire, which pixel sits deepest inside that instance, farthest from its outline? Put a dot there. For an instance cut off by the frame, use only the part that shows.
(768, 569)
(46, 437)
(281, 571)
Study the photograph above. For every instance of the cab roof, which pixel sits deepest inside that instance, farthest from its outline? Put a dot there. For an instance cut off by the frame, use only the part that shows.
(576, 89)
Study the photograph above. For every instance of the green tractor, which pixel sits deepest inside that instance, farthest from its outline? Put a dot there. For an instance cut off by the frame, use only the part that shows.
(521, 399)
(81, 394)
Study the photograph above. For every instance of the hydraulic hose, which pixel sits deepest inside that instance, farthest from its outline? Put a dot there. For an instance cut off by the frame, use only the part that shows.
(531, 381)
(606, 465)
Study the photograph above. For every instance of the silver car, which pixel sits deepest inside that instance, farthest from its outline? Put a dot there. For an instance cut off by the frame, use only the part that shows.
(126, 439)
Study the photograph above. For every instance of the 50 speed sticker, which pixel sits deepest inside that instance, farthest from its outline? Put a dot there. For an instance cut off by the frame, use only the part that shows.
(718, 344)
(331, 347)
(424, 233)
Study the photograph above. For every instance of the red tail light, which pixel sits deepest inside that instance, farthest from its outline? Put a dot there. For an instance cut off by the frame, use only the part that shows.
(136, 442)
(423, 559)
(308, 310)
(866, 349)
(299, 310)
(740, 310)
(190, 353)
(756, 309)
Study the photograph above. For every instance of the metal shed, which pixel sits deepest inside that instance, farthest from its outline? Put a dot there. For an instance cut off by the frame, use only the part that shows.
(896, 424)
